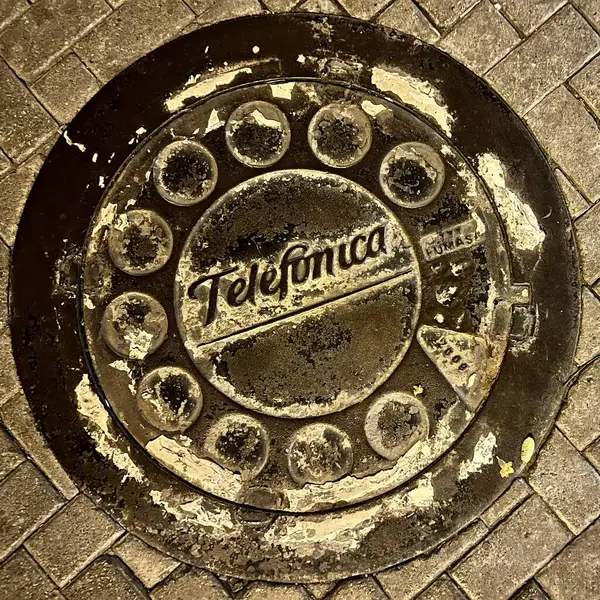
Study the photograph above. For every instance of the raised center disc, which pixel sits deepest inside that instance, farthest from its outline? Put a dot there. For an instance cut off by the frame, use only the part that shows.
(294, 274)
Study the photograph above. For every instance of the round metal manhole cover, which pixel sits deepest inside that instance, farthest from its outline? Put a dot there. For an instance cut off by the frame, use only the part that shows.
(299, 307)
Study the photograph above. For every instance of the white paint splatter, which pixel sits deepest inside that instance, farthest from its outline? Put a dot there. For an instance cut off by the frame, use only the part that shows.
(263, 121)
(121, 365)
(313, 536)
(194, 512)
(98, 425)
(139, 132)
(417, 93)
(520, 221)
(200, 471)
(483, 454)
(198, 89)
(70, 142)
(423, 496)
(283, 90)
(373, 109)
(139, 344)
(214, 122)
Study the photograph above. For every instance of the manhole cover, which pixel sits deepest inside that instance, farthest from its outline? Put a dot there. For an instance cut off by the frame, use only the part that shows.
(296, 307)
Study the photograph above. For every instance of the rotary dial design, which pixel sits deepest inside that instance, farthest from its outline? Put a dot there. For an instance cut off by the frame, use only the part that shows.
(294, 298)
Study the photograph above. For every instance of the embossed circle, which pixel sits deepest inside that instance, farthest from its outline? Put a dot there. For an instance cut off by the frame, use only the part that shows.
(239, 443)
(185, 173)
(395, 423)
(140, 242)
(258, 134)
(319, 454)
(412, 174)
(340, 134)
(170, 399)
(134, 325)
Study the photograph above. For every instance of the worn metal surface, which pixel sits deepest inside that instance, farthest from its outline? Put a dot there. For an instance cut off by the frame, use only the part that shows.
(364, 300)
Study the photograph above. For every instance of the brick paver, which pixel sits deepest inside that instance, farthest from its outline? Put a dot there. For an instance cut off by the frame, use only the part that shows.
(109, 579)
(10, 455)
(531, 591)
(17, 417)
(481, 39)
(4, 276)
(443, 589)
(445, 13)
(516, 494)
(589, 335)
(593, 454)
(591, 9)
(579, 419)
(281, 5)
(9, 379)
(576, 203)
(320, 6)
(190, 584)
(571, 136)
(319, 590)
(41, 34)
(27, 499)
(14, 189)
(358, 589)
(72, 539)
(407, 580)
(363, 10)
(24, 124)
(22, 579)
(567, 482)
(10, 10)
(110, 47)
(539, 64)
(66, 87)
(587, 233)
(512, 553)
(209, 11)
(527, 15)
(575, 573)
(5, 164)
(587, 85)
(148, 564)
(260, 591)
(405, 16)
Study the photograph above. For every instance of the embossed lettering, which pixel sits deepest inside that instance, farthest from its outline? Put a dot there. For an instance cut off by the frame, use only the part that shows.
(296, 266)
(450, 239)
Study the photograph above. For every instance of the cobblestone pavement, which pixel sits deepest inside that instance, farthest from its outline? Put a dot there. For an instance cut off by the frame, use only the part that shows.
(541, 539)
